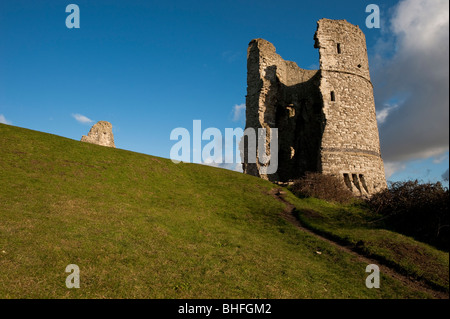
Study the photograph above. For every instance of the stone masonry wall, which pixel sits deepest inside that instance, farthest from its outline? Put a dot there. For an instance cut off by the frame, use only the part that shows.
(350, 142)
(100, 134)
(282, 95)
(326, 118)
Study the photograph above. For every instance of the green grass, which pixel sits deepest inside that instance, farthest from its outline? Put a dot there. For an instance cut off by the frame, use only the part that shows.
(139, 226)
(356, 225)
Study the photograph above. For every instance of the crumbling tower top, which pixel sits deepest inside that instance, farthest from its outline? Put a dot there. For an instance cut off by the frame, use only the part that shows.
(342, 47)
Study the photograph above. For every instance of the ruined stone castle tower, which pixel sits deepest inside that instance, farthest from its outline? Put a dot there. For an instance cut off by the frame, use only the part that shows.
(100, 134)
(325, 118)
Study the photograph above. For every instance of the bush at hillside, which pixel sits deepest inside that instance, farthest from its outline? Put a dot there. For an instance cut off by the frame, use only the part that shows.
(321, 186)
(417, 210)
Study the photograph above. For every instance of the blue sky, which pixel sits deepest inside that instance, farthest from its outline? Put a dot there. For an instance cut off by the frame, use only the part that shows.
(151, 66)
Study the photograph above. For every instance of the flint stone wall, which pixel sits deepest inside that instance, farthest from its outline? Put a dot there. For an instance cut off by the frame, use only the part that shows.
(100, 134)
(326, 118)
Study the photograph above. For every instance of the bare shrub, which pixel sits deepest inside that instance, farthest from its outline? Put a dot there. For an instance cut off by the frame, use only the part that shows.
(326, 187)
(417, 210)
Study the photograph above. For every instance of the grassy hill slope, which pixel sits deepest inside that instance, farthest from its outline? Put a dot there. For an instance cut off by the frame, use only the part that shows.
(139, 226)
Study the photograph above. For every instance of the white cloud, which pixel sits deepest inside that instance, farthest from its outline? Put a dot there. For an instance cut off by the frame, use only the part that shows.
(421, 23)
(82, 119)
(238, 112)
(384, 113)
(415, 72)
(392, 167)
(440, 159)
(3, 120)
